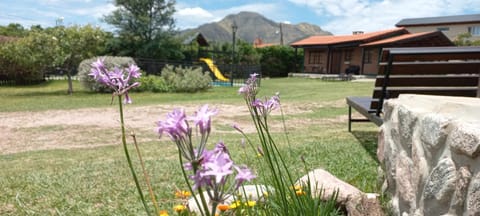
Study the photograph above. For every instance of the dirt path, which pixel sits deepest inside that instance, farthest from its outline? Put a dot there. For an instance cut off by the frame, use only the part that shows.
(92, 127)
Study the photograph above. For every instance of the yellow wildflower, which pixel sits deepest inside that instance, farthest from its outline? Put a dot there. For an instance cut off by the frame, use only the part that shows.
(182, 194)
(250, 203)
(163, 213)
(223, 207)
(300, 192)
(235, 205)
(179, 208)
(297, 187)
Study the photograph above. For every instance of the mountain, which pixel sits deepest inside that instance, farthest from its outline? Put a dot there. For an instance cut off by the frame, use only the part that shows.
(252, 26)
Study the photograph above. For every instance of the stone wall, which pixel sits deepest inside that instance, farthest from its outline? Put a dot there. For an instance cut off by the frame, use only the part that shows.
(429, 148)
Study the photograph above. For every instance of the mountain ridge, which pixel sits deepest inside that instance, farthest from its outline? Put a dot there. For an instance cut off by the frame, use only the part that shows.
(252, 26)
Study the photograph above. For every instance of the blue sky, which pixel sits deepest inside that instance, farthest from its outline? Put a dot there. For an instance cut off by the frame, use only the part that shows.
(336, 16)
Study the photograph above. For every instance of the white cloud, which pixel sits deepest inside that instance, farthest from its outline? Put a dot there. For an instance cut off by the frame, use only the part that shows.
(191, 17)
(346, 16)
(266, 9)
(96, 12)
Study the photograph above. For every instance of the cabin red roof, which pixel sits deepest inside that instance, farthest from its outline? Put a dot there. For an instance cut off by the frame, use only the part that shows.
(331, 39)
(440, 38)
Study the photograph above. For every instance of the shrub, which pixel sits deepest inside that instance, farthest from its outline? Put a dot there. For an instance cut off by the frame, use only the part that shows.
(186, 79)
(25, 60)
(278, 61)
(110, 62)
(153, 83)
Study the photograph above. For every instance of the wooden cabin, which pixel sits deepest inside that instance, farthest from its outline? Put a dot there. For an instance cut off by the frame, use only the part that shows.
(359, 53)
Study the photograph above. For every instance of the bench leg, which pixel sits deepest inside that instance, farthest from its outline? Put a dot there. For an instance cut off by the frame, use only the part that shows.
(349, 119)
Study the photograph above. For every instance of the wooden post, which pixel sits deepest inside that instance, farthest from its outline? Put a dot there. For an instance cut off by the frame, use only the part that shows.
(478, 89)
(363, 60)
(328, 59)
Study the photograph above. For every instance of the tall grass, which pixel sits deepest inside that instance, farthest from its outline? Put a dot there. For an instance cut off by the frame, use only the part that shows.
(92, 181)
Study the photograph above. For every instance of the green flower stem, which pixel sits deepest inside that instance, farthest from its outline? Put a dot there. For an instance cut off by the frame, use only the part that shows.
(145, 174)
(124, 142)
(200, 192)
(185, 176)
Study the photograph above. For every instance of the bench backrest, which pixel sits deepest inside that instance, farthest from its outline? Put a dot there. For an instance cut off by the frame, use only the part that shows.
(449, 71)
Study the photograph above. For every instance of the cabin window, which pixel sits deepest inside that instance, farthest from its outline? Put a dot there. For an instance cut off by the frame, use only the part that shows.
(474, 30)
(367, 58)
(315, 57)
(348, 55)
(443, 29)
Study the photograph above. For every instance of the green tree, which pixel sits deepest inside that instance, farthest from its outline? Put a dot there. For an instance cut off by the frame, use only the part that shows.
(278, 61)
(25, 60)
(13, 29)
(246, 53)
(28, 58)
(74, 44)
(145, 29)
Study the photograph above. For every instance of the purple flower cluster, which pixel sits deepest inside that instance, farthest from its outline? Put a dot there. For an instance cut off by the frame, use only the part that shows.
(117, 79)
(211, 169)
(249, 92)
(250, 89)
(176, 126)
(264, 107)
(216, 166)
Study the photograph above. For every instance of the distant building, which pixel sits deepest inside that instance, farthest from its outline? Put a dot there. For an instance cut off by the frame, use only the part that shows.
(451, 26)
(359, 52)
(258, 43)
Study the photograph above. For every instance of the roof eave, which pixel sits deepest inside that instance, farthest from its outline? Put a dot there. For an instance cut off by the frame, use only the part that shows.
(434, 24)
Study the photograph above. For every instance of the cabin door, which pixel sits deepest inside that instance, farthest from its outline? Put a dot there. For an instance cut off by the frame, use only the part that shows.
(336, 62)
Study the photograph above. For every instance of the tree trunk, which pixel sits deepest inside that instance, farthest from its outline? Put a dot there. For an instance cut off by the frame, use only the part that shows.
(70, 86)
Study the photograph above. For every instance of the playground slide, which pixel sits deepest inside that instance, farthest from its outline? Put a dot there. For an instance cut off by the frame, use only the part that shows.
(214, 69)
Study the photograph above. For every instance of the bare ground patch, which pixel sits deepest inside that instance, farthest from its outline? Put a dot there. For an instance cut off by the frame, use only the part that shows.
(93, 127)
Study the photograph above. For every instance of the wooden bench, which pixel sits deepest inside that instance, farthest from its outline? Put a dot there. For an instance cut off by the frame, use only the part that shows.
(448, 71)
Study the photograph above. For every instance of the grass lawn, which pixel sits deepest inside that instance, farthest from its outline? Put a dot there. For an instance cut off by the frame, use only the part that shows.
(96, 181)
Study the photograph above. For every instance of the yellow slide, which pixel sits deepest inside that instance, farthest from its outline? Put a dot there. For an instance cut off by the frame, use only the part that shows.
(214, 69)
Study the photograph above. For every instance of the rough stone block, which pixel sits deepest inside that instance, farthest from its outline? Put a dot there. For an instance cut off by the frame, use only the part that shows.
(425, 138)
(433, 131)
(461, 189)
(473, 196)
(324, 183)
(405, 186)
(406, 122)
(439, 188)
(465, 139)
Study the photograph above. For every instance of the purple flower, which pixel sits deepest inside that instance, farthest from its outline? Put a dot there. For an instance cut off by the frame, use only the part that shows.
(249, 90)
(175, 125)
(117, 79)
(134, 71)
(201, 180)
(203, 117)
(244, 174)
(257, 103)
(218, 164)
(265, 107)
(235, 126)
(219, 168)
(243, 90)
(273, 103)
(127, 99)
(254, 76)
